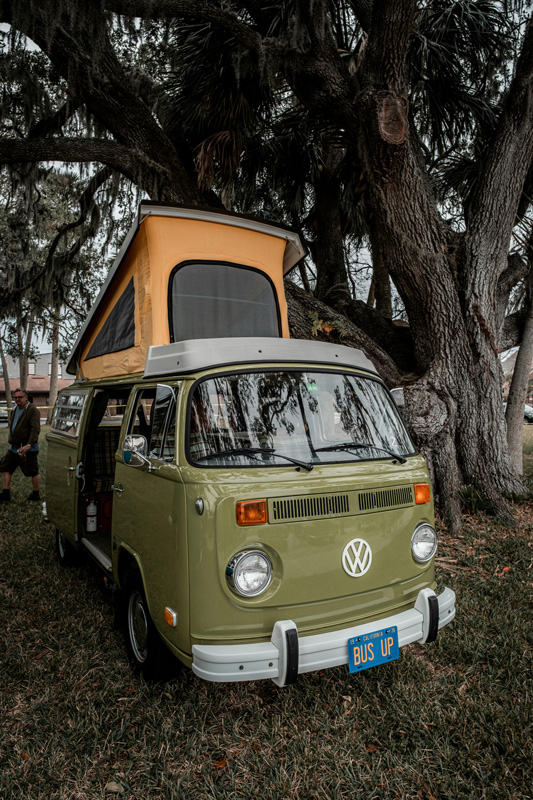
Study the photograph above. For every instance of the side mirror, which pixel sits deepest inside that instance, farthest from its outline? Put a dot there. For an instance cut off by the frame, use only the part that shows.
(135, 450)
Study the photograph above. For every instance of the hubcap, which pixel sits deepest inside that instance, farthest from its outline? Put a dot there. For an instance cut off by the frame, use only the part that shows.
(138, 626)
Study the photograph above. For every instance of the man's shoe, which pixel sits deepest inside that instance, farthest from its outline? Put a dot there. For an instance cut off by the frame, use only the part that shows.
(5, 497)
(34, 497)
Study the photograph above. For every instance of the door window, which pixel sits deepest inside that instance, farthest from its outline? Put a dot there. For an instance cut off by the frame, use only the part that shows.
(68, 412)
(154, 417)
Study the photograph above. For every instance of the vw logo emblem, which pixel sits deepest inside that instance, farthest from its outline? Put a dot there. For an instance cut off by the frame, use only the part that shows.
(356, 558)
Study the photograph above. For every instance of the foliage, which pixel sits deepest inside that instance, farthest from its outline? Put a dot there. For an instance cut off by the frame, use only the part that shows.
(57, 223)
(472, 501)
(402, 126)
(448, 720)
(326, 326)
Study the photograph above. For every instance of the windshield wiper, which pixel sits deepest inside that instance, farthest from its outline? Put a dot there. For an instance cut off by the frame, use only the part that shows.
(253, 451)
(360, 446)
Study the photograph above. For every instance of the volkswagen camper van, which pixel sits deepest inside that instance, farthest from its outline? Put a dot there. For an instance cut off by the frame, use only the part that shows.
(255, 500)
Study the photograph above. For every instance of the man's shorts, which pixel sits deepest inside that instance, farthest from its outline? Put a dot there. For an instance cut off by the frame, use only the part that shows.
(29, 465)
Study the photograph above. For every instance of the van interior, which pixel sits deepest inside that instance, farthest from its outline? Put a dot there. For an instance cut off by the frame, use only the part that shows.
(98, 457)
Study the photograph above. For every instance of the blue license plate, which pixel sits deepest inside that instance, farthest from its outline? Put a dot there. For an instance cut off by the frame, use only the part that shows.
(372, 649)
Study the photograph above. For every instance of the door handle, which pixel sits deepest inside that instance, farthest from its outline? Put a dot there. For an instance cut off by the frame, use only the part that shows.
(70, 469)
(118, 489)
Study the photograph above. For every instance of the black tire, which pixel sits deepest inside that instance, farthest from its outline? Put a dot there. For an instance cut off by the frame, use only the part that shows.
(65, 552)
(147, 653)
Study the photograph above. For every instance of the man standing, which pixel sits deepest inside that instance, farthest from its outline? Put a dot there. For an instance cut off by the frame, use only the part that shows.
(24, 429)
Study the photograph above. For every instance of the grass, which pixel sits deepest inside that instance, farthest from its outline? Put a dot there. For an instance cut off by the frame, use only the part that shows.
(447, 721)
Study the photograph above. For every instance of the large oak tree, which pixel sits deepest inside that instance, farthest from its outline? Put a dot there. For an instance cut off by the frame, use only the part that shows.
(454, 280)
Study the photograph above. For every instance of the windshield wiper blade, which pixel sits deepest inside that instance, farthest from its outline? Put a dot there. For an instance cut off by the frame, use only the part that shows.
(360, 446)
(253, 451)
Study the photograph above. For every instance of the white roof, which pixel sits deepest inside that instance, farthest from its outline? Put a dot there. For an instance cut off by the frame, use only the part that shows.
(182, 358)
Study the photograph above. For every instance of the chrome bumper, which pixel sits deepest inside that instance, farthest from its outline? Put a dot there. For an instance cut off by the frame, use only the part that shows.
(288, 655)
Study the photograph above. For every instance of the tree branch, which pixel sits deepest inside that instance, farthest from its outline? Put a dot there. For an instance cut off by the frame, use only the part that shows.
(507, 163)
(362, 10)
(97, 78)
(300, 303)
(72, 150)
(54, 123)
(188, 9)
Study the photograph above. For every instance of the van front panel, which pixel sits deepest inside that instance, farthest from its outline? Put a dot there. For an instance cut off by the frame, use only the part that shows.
(310, 584)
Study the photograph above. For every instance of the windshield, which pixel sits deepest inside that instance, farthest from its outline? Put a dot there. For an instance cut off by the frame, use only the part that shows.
(269, 418)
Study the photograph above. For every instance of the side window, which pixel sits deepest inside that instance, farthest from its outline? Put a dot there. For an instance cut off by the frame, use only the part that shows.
(154, 417)
(142, 412)
(162, 441)
(68, 413)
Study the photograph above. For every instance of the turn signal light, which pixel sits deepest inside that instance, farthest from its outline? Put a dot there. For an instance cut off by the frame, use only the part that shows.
(171, 618)
(422, 493)
(251, 512)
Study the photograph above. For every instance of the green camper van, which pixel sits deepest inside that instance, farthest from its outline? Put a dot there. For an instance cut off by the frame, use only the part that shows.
(255, 501)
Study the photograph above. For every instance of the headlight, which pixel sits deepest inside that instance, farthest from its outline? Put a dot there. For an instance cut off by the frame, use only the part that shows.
(424, 543)
(249, 572)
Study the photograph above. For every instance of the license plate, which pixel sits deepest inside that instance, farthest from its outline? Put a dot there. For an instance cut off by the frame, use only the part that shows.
(372, 649)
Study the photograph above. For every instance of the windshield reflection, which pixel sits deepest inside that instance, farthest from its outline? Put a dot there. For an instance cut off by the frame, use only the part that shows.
(265, 418)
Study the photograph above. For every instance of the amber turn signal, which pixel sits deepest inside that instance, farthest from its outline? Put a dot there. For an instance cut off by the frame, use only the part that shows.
(171, 618)
(251, 512)
(422, 493)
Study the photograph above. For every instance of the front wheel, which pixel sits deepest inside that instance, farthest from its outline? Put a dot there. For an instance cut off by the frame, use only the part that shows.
(147, 653)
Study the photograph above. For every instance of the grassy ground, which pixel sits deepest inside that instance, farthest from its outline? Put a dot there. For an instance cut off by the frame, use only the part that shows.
(449, 720)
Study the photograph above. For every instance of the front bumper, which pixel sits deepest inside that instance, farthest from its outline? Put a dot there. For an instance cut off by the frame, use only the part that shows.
(287, 655)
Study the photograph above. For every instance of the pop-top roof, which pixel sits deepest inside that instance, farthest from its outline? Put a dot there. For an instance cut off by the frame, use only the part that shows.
(183, 358)
(133, 310)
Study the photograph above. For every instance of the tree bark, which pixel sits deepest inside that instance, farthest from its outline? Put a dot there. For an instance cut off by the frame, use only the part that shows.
(23, 360)
(381, 289)
(329, 240)
(5, 372)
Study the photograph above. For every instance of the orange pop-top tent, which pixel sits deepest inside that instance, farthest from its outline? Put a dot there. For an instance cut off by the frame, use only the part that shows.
(186, 273)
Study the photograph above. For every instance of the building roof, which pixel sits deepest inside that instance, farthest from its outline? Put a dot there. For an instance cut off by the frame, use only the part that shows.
(35, 383)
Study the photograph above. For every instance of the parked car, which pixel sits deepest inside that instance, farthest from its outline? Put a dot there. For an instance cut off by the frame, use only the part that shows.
(3, 411)
(528, 412)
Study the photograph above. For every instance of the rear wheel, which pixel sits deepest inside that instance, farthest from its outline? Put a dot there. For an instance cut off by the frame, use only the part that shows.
(147, 653)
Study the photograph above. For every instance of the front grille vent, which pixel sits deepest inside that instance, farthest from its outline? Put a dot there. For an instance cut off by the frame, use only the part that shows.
(314, 507)
(385, 498)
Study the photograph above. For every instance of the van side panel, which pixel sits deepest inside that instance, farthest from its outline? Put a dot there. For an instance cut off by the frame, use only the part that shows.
(149, 521)
(62, 484)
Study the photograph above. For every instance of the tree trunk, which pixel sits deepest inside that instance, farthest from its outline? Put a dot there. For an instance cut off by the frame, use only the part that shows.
(25, 337)
(54, 366)
(381, 289)
(23, 360)
(332, 277)
(518, 390)
(5, 372)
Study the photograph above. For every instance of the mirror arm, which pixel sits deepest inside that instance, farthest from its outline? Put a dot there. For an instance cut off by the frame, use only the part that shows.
(143, 458)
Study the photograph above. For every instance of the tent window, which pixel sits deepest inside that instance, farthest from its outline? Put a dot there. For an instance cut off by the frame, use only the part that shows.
(214, 300)
(118, 331)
